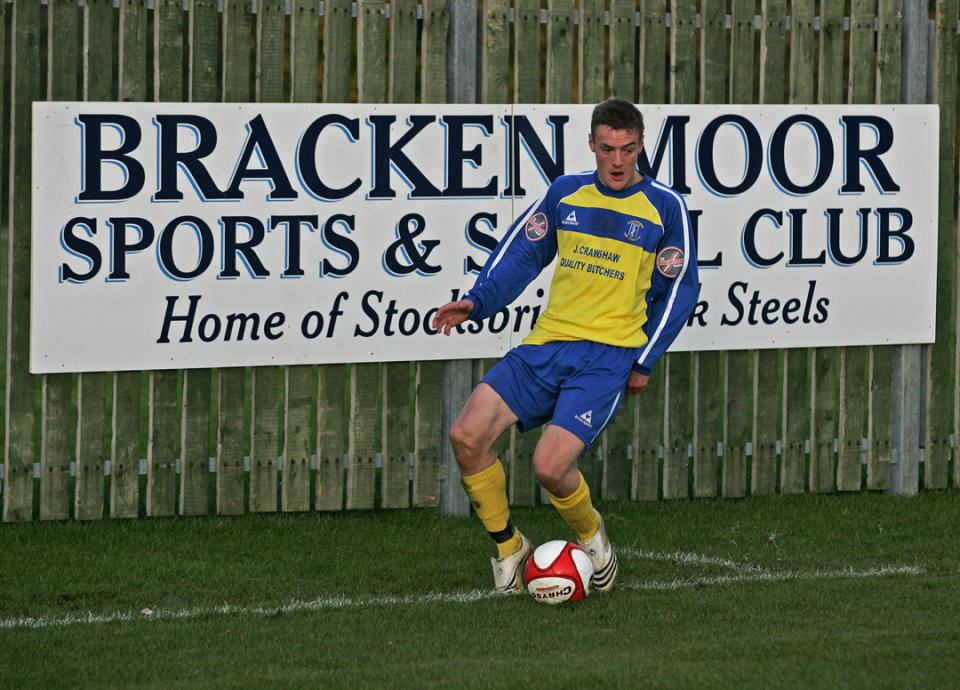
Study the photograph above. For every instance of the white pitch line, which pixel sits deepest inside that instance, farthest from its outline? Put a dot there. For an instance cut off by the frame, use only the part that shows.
(840, 574)
(688, 559)
(296, 606)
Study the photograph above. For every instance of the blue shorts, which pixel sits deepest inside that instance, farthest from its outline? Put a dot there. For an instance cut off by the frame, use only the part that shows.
(576, 384)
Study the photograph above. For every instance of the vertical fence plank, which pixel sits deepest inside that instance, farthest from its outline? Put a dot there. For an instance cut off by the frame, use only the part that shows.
(195, 412)
(204, 60)
(741, 51)
(825, 361)
(683, 51)
(427, 435)
(679, 429)
(58, 423)
(98, 31)
(231, 394)
(526, 51)
(365, 378)
(560, 35)
(298, 392)
(126, 385)
(371, 56)
(337, 51)
(679, 401)
(299, 380)
(796, 376)
(331, 378)
(264, 443)
(267, 381)
(396, 376)
(331, 392)
(495, 43)
(55, 451)
(395, 463)
(763, 476)
(168, 85)
(161, 444)
(941, 358)
(823, 425)
(648, 416)
(708, 422)
(623, 49)
(236, 86)
(91, 418)
(653, 52)
(737, 375)
(853, 360)
(362, 434)
(880, 404)
(195, 442)
(591, 66)
(402, 84)
(4, 256)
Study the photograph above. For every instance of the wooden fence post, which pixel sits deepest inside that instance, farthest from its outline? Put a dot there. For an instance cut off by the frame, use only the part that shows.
(907, 395)
(457, 374)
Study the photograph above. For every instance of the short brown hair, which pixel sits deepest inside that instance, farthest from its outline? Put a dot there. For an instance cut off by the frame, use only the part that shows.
(617, 113)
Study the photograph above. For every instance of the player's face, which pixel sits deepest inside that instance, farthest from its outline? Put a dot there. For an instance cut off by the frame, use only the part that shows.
(616, 151)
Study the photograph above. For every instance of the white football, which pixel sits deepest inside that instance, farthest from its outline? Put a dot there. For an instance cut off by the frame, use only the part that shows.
(558, 571)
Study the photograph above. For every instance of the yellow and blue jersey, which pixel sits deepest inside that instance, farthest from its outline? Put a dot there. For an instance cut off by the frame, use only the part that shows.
(626, 271)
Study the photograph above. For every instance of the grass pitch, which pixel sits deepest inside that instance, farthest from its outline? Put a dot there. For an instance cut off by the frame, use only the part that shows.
(790, 591)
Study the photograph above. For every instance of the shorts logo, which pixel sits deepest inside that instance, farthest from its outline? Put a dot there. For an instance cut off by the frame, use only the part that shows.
(571, 219)
(634, 228)
(536, 227)
(585, 418)
(670, 261)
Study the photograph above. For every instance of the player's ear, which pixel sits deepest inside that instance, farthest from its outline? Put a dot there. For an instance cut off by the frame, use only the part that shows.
(590, 142)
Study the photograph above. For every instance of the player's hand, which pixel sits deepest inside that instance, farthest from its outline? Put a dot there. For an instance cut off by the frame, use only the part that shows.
(636, 382)
(451, 315)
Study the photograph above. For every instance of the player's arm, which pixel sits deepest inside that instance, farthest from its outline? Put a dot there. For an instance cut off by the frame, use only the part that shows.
(674, 286)
(529, 245)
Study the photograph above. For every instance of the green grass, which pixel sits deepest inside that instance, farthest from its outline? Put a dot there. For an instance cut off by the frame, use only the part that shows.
(765, 592)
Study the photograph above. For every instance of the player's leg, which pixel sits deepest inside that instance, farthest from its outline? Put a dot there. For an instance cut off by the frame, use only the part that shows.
(555, 465)
(588, 400)
(554, 462)
(481, 421)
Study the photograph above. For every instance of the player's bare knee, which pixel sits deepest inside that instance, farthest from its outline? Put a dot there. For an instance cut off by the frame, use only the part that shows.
(547, 472)
(466, 442)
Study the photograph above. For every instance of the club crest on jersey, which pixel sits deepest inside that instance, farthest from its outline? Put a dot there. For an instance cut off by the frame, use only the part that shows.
(670, 261)
(536, 227)
(634, 229)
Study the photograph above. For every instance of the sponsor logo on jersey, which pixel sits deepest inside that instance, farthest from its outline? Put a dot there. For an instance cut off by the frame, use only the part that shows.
(670, 261)
(634, 229)
(536, 227)
(571, 219)
(585, 418)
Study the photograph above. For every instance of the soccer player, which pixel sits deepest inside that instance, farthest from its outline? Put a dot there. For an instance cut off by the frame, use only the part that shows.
(624, 284)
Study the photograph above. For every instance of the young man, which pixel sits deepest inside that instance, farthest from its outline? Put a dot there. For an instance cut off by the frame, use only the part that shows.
(624, 285)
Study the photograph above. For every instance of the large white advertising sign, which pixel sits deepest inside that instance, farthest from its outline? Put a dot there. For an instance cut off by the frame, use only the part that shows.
(197, 235)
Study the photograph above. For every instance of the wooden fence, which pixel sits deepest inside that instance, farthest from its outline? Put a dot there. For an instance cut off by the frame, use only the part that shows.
(338, 437)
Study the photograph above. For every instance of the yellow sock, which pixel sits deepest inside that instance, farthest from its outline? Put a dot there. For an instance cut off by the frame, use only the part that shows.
(487, 491)
(577, 510)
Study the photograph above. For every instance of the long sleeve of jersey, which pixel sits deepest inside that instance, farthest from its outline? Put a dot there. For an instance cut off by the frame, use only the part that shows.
(675, 284)
(528, 247)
